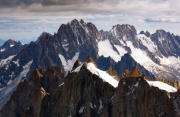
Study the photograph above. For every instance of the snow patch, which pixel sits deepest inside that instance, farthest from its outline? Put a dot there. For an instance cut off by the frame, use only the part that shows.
(106, 50)
(146, 41)
(11, 45)
(16, 62)
(6, 92)
(78, 68)
(2, 50)
(81, 109)
(121, 50)
(10, 81)
(68, 64)
(61, 84)
(102, 74)
(6, 61)
(91, 105)
(100, 104)
(142, 58)
(162, 86)
(171, 61)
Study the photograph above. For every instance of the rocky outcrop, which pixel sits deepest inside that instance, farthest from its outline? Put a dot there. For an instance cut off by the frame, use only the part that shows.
(113, 73)
(38, 95)
(76, 64)
(135, 98)
(168, 44)
(26, 100)
(47, 93)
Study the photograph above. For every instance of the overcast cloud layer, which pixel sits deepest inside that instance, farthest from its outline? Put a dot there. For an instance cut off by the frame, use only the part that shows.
(26, 19)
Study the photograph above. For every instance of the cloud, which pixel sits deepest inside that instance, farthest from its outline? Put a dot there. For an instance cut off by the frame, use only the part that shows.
(47, 15)
(166, 20)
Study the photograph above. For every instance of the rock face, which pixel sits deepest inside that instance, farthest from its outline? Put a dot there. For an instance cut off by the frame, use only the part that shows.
(27, 98)
(168, 43)
(47, 93)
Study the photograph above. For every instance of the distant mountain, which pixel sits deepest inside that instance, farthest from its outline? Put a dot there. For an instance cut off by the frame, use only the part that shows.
(89, 91)
(10, 48)
(156, 55)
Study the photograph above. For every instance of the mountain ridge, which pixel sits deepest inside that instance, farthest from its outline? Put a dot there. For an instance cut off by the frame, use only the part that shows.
(78, 39)
(83, 93)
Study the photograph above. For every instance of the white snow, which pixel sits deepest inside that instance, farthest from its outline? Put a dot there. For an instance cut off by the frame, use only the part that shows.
(2, 50)
(16, 62)
(6, 92)
(78, 68)
(61, 84)
(136, 85)
(68, 64)
(6, 61)
(102, 74)
(171, 61)
(106, 50)
(162, 86)
(10, 81)
(143, 59)
(81, 109)
(100, 106)
(65, 44)
(91, 105)
(121, 50)
(26, 68)
(146, 41)
(11, 45)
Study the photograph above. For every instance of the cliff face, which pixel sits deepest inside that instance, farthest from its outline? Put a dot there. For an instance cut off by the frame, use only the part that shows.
(47, 93)
(29, 94)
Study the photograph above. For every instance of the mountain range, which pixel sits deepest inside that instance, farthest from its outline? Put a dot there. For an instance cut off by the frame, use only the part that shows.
(88, 91)
(156, 55)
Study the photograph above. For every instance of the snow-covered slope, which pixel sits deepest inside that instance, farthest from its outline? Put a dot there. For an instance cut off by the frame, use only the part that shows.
(102, 74)
(142, 48)
(162, 86)
(6, 92)
(67, 64)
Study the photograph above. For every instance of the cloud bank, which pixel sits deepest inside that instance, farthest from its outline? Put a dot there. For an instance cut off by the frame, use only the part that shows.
(25, 16)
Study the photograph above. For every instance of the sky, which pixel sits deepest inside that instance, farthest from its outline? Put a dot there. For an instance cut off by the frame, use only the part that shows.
(25, 20)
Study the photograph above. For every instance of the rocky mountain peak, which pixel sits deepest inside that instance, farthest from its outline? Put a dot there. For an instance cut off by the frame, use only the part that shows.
(10, 43)
(82, 22)
(113, 73)
(76, 64)
(36, 74)
(147, 33)
(44, 37)
(74, 22)
(132, 73)
(168, 44)
(90, 60)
